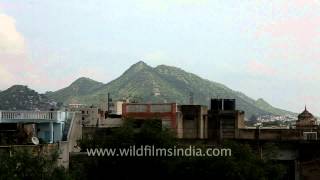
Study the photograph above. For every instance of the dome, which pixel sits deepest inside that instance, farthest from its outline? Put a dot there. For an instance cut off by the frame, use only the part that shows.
(305, 114)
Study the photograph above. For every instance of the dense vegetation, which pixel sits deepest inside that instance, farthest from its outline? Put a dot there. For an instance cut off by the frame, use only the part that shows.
(27, 165)
(160, 84)
(243, 164)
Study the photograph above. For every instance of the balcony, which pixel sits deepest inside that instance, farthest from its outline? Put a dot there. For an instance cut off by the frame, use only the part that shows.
(32, 116)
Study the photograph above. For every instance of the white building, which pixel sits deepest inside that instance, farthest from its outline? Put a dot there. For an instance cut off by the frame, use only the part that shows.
(48, 126)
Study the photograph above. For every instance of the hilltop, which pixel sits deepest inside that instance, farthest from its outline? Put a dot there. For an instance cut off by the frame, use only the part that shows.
(144, 83)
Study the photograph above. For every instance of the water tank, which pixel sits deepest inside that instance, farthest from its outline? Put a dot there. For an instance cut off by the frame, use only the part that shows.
(229, 104)
(216, 104)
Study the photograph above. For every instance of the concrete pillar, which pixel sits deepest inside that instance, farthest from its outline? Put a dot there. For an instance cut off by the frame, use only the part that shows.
(51, 132)
(61, 131)
(200, 131)
(220, 130)
(206, 127)
(179, 126)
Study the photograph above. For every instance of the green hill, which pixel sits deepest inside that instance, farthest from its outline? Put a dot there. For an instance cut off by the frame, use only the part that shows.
(19, 97)
(162, 84)
(261, 103)
(80, 87)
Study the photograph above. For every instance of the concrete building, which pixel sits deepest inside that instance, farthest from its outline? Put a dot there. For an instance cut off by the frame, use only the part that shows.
(224, 120)
(117, 108)
(113, 117)
(193, 123)
(48, 126)
(56, 130)
(91, 116)
(98, 116)
(166, 112)
(296, 147)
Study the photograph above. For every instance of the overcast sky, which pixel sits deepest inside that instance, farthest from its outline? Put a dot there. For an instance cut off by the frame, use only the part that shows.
(264, 48)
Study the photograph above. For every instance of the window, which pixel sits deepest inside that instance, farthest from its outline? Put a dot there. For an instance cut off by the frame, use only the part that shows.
(310, 135)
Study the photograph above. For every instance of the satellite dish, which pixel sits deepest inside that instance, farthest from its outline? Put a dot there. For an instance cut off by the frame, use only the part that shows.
(35, 140)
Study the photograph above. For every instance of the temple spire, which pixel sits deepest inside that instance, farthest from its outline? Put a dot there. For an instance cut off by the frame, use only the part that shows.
(305, 107)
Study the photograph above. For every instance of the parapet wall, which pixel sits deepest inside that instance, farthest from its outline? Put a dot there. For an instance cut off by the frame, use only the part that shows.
(273, 134)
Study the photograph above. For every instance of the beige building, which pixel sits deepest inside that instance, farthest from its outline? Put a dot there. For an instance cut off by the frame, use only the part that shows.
(117, 108)
(90, 115)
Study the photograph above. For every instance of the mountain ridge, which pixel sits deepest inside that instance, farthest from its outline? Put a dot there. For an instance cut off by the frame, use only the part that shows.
(163, 83)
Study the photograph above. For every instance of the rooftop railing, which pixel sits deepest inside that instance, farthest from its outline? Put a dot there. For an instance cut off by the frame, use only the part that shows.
(31, 116)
